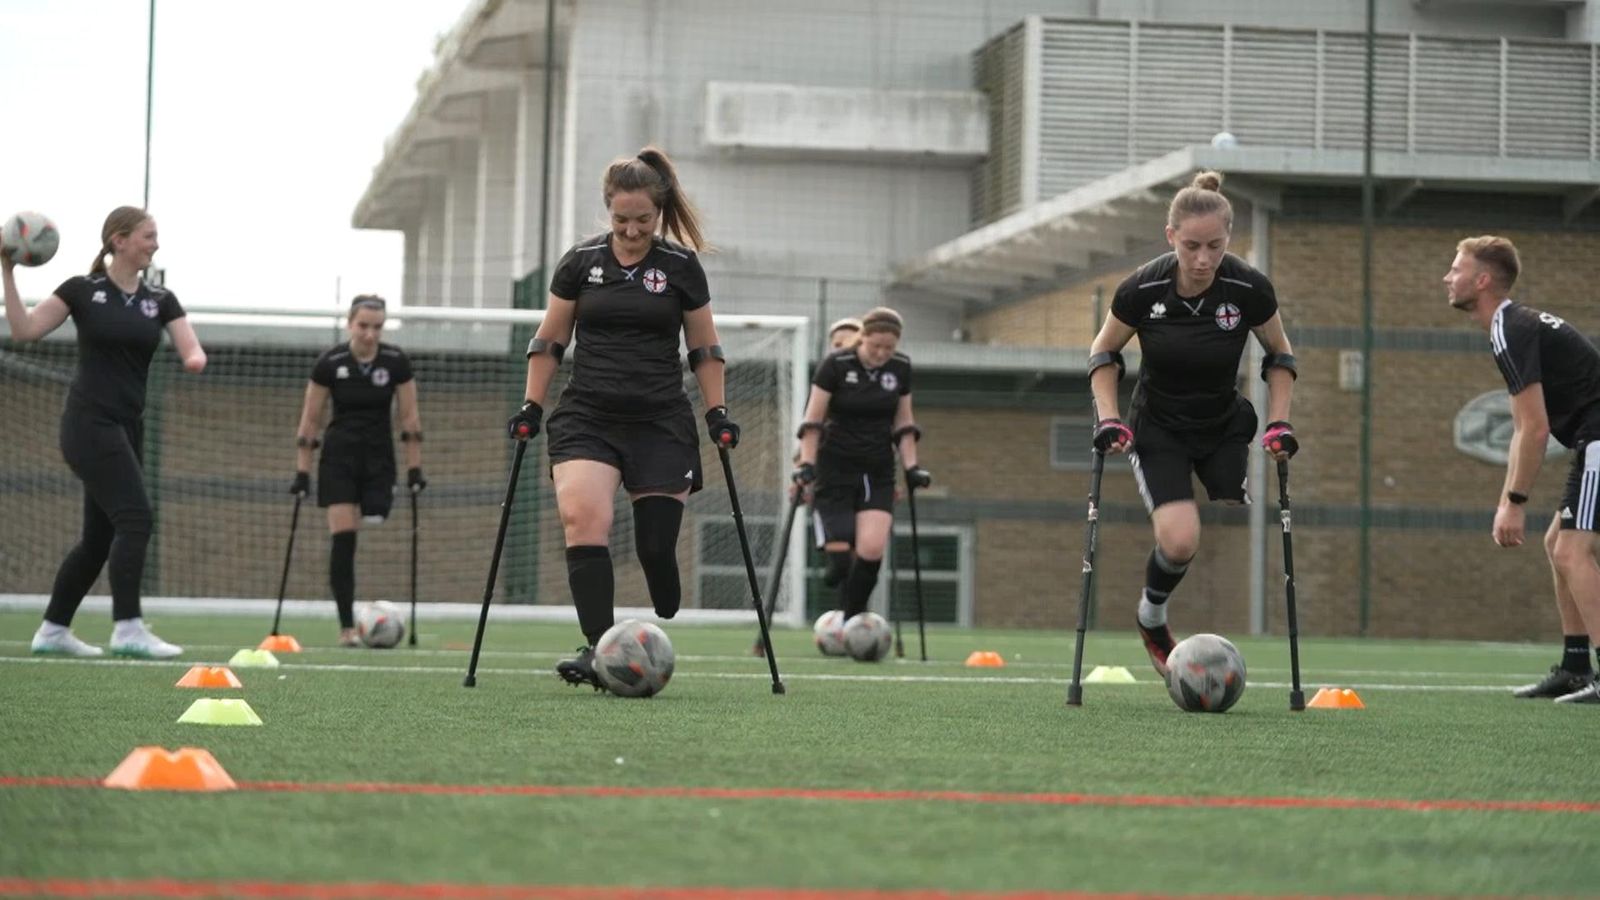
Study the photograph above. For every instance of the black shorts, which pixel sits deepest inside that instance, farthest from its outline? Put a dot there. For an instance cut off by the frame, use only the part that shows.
(1577, 512)
(1164, 460)
(654, 456)
(844, 488)
(365, 478)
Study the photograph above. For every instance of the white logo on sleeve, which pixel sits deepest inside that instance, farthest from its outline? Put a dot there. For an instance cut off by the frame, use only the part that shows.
(380, 376)
(655, 280)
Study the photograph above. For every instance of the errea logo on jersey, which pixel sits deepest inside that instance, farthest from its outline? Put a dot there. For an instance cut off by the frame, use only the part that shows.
(99, 297)
(1158, 311)
(597, 275)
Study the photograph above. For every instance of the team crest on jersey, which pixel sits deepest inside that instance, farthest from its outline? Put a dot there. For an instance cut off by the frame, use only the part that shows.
(1158, 311)
(150, 308)
(1228, 316)
(597, 275)
(655, 280)
(888, 381)
(380, 376)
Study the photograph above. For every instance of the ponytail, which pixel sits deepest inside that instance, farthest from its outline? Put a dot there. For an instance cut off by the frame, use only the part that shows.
(120, 223)
(653, 172)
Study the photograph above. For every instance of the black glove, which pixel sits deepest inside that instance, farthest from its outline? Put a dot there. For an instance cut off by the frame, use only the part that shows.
(525, 424)
(804, 474)
(414, 479)
(1279, 438)
(302, 484)
(918, 477)
(723, 432)
(1110, 432)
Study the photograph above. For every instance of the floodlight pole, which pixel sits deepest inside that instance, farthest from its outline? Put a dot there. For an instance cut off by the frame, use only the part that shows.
(149, 97)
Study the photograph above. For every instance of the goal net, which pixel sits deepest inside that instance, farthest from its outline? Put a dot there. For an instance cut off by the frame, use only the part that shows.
(219, 456)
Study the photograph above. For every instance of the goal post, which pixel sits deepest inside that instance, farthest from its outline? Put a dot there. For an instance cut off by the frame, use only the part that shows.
(219, 455)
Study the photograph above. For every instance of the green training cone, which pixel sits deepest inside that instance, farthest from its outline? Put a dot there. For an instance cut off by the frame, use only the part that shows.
(1110, 675)
(209, 711)
(251, 658)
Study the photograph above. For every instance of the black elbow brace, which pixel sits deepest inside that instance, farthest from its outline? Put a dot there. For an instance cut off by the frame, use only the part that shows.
(1108, 358)
(540, 345)
(1279, 361)
(903, 430)
(700, 354)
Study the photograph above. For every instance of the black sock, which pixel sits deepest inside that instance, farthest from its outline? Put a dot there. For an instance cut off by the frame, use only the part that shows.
(593, 585)
(858, 585)
(656, 520)
(838, 567)
(1161, 576)
(342, 576)
(1575, 654)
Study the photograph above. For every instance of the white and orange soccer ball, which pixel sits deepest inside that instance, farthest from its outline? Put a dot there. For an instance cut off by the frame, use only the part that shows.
(634, 659)
(1205, 673)
(29, 238)
(380, 624)
(829, 633)
(867, 637)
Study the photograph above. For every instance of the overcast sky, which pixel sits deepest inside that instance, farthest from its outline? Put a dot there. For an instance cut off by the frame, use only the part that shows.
(268, 119)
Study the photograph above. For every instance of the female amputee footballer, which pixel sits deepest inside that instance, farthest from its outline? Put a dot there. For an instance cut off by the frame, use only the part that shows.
(858, 413)
(356, 473)
(119, 318)
(624, 419)
(1193, 310)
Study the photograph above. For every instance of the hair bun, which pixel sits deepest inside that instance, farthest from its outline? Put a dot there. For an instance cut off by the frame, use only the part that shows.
(1207, 181)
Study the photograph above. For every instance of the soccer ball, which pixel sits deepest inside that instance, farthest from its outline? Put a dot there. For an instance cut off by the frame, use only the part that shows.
(1224, 140)
(380, 624)
(829, 633)
(1205, 673)
(634, 659)
(29, 238)
(867, 637)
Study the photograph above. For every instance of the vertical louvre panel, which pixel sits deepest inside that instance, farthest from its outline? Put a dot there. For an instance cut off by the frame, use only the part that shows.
(1547, 106)
(1274, 100)
(998, 73)
(1458, 97)
(1180, 88)
(1083, 128)
(1113, 94)
(1344, 92)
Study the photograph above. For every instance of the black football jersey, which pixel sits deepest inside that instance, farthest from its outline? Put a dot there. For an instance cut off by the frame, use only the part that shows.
(362, 393)
(862, 404)
(117, 337)
(626, 363)
(1534, 347)
(1190, 346)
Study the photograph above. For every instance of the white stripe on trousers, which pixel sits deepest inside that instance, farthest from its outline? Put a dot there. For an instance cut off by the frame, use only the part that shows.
(1587, 489)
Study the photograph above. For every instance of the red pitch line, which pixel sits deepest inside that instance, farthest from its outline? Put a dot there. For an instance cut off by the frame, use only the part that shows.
(172, 889)
(865, 796)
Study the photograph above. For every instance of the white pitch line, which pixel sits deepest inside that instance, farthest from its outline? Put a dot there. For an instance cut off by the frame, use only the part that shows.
(819, 676)
(808, 659)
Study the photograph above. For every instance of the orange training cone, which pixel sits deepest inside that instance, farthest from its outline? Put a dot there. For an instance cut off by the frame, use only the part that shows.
(209, 677)
(280, 643)
(155, 769)
(1336, 698)
(985, 658)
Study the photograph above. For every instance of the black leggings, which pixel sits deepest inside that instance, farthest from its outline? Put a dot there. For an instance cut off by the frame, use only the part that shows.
(106, 456)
